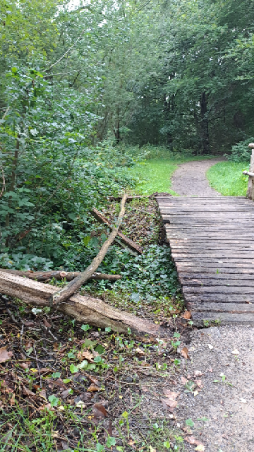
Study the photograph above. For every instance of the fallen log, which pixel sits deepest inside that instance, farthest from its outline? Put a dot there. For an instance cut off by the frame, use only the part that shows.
(64, 293)
(132, 245)
(58, 275)
(84, 309)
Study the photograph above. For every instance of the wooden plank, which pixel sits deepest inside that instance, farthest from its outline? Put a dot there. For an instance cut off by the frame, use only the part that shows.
(217, 290)
(234, 308)
(186, 278)
(224, 317)
(213, 282)
(220, 298)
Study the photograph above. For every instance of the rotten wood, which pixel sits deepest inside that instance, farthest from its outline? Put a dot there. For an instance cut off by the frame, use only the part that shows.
(58, 275)
(64, 293)
(128, 242)
(84, 309)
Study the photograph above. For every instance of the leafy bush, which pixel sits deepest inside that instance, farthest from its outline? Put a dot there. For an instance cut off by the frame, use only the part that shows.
(240, 152)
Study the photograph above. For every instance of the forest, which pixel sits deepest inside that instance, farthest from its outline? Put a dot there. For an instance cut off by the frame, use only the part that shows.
(99, 98)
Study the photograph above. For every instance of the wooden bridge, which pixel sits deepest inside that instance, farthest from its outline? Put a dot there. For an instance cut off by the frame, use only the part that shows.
(212, 244)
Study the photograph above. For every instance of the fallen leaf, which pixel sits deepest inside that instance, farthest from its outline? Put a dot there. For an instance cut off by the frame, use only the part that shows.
(139, 351)
(170, 403)
(5, 355)
(186, 315)
(93, 388)
(184, 380)
(99, 411)
(193, 441)
(199, 383)
(170, 395)
(65, 393)
(198, 373)
(86, 355)
(46, 323)
(185, 353)
(24, 365)
(27, 392)
(151, 449)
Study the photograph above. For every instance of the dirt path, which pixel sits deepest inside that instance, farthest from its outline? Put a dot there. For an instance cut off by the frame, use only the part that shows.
(190, 179)
(222, 410)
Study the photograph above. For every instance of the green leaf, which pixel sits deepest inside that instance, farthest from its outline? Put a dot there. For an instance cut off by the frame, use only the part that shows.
(189, 422)
(66, 380)
(56, 375)
(111, 441)
(53, 400)
(100, 349)
(73, 369)
(85, 327)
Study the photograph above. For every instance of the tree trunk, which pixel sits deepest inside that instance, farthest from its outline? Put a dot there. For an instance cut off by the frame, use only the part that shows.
(85, 309)
(204, 124)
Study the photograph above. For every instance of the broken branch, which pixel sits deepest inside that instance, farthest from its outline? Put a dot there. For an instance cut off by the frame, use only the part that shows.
(132, 245)
(58, 275)
(76, 283)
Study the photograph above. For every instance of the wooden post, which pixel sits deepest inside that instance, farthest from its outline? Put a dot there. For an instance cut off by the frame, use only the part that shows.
(250, 192)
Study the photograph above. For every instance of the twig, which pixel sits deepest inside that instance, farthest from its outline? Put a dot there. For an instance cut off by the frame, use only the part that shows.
(38, 367)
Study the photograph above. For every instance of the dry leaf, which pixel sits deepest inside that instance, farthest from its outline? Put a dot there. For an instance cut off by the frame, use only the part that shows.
(170, 403)
(24, 365)
(5, 355)
(185, 353)
(65, 394)
(199, 383)
(170, 395)
(46, 323)
(193, 441)
(86, 355)
(198, 373)
(27, 392)
(139, 351)
(187, 315)
(184, 380)
(93, 388)
(99, 411)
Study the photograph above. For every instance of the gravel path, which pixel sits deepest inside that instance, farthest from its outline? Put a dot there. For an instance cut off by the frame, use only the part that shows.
(190, 179)
(225, 402)
(222, 363)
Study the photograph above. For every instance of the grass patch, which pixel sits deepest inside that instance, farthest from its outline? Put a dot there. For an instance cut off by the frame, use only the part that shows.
(154, 173)
(227, 178)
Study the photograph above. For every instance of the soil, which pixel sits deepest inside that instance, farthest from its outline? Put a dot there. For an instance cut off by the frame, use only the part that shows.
(225, 401)
(190, 179)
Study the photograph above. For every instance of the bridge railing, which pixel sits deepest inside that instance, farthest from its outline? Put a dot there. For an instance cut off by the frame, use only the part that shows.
(250, 173)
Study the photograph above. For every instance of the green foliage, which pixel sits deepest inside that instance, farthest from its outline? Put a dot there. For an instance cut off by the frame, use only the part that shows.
(240, 152)
(227, 178)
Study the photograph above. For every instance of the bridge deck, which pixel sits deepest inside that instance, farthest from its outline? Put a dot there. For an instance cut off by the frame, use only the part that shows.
(212, 244)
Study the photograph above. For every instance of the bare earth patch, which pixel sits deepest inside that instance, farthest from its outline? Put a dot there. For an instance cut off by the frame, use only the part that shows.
(190, 179)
